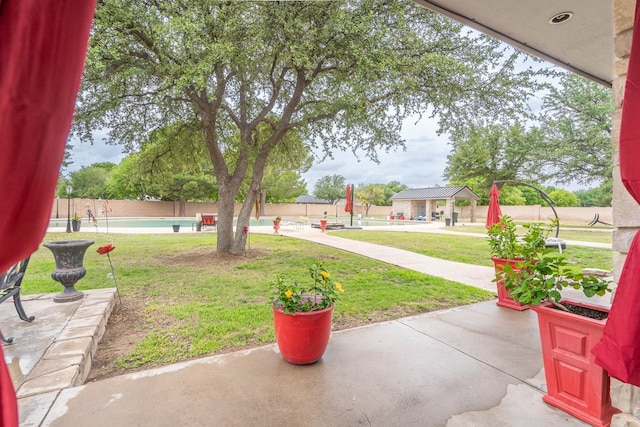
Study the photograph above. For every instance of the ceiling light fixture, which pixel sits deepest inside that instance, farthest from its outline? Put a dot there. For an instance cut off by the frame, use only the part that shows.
(560, 18)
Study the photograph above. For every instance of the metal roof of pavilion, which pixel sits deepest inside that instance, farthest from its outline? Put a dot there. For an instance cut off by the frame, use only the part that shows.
(459, 192)
(305, 198)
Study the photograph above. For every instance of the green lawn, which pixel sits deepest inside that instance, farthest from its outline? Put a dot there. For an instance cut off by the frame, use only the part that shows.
(597, 235)
(467, 249)
(192, 302)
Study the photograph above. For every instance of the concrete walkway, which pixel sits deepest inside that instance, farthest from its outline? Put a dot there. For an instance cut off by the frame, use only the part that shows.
(477, 365)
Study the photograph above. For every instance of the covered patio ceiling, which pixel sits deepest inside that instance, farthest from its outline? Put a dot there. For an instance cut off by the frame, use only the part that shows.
(583, 43)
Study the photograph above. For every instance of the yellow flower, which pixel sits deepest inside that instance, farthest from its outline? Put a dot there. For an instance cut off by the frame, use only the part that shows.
(339, 287)
(324, 274)
(289, 294)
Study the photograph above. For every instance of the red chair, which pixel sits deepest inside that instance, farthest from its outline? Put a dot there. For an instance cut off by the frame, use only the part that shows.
(208, 220)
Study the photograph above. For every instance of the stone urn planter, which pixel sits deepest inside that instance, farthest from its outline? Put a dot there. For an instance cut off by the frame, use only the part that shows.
(323, 225)
(69, 256)
(276, 225)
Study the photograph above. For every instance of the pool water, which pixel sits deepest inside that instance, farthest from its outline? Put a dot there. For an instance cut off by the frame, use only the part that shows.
(188, 222)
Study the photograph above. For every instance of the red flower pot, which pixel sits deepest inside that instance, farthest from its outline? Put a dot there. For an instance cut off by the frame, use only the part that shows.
(302, 337)
(504, 299)
(323, 225)
(575, 383)
(276, 226)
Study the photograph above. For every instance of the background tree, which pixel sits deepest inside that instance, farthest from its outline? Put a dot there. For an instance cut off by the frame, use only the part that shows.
(282, 181)
(284, 187)
(174, 161)
(483, 155)
(511, 195)
(88, 182)
(576, 128)
(129, 181)
(600, 196)
(330, 188)
(331, 74)
(369, 195)
(564, 198)
(390, 189)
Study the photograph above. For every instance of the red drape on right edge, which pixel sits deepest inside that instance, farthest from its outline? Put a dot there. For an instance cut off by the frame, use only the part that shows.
(43, 44)
(618, 351)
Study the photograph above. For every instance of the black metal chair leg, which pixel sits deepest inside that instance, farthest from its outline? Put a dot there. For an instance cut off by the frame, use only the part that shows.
(20, 309)
(6, 341)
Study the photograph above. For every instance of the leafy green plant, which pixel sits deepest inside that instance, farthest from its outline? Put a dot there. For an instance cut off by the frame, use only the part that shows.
(505, 242)
(76, 217)
(532, 282)
(294, 298)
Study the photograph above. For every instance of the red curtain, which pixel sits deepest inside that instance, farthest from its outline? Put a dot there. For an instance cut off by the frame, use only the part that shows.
(42, 50)
(619, 349)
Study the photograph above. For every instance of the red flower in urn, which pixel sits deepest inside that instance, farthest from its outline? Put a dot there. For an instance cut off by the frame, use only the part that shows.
(105, 249)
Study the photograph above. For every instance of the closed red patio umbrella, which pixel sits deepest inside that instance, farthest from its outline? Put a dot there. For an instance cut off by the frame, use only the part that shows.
(494, 212)
(618, 351)
(348, 207)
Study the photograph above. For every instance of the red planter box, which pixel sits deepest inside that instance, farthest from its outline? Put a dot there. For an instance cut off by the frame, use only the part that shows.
(504, 300)
(575, 383)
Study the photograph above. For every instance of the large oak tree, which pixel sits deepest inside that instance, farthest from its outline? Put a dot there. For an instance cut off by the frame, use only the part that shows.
(576, 125)
(341, 74)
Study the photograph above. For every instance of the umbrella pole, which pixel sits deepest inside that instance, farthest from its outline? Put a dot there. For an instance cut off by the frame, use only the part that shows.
(351, 212)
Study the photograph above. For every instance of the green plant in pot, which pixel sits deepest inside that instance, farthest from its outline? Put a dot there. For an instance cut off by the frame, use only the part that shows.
(302, 315)
(533, 282)
(76, 221)
(568, 332)
(509, 248)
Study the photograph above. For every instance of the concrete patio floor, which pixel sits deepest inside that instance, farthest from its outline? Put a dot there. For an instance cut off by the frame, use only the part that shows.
(476, 365)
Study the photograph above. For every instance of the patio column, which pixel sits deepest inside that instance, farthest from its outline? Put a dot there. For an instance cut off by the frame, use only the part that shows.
(626, 212)
(472, 213)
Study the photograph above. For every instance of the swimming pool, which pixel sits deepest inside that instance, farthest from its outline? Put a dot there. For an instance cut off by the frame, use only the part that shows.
(189, 222)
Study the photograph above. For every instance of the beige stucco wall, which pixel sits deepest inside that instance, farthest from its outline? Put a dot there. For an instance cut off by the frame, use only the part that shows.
(540, 213)
(159, 209)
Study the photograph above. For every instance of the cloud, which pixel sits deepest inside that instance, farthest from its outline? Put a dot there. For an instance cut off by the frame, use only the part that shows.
(85, 154)
(420, 165)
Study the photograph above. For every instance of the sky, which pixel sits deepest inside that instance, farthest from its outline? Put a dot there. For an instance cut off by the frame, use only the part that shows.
(420, 165)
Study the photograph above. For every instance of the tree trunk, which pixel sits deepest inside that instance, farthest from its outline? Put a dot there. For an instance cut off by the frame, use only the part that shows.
(263, 200)
(226, 206)
(182, 207)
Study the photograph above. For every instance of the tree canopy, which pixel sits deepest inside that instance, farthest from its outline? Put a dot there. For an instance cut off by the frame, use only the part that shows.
(88, 182)
(369, 195)
(576, 128)
(483, 155)
(342, 77)
(330, 188)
